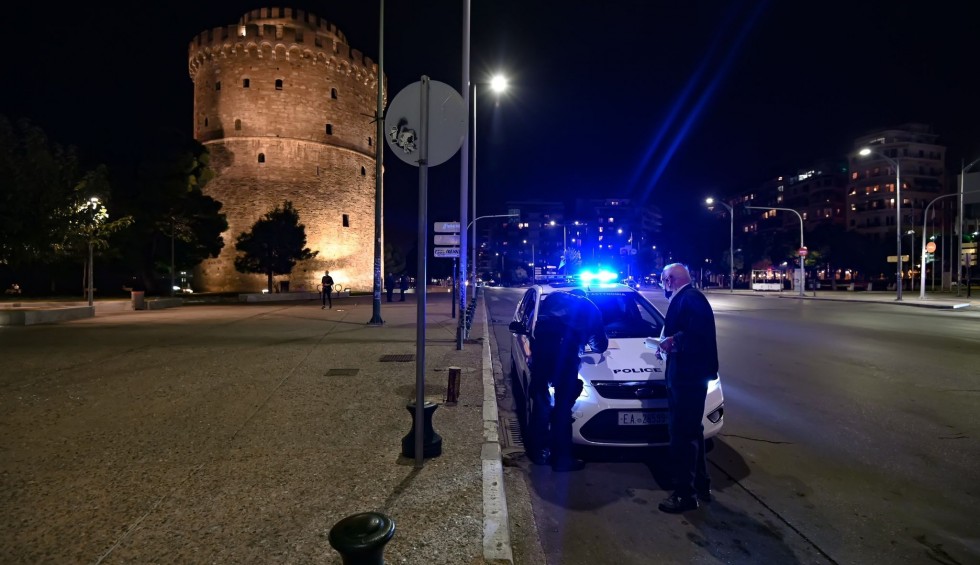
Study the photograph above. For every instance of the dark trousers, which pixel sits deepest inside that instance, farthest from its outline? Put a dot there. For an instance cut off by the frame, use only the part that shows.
(690, 471)
(550, 424)
(391, 293)
(402, 299)
(325, 297)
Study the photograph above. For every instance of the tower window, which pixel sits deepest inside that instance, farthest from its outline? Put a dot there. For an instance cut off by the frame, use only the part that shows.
(346, 221)
(217, 85)
(238, 125)
(369, 142)
(205, 122)
(278, 84)
(363, 171)
(261, 157)
(329, 129)
(245, 83)
(333, 93)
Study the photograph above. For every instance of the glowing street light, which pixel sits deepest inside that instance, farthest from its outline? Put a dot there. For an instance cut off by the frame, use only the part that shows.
(898, 214)
(731, 242)
(802, 250)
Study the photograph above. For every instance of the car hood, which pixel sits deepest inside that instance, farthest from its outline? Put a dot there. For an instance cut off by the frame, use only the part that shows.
(625, 360)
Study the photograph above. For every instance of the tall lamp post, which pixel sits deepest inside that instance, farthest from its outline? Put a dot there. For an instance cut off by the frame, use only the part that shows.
(898, 214)
(473, 257)
(925, 216)
(498, 84)
(802, 247)
(731, 242)
(959, 241)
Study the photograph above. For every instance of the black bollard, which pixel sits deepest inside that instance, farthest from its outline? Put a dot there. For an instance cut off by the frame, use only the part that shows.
(360, 539)
(431, 441)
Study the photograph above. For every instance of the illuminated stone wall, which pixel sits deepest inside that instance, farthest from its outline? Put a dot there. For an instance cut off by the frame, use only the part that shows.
(284, 106)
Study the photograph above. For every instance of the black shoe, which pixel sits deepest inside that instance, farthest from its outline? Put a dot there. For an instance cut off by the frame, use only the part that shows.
(674, 504)
(567, 465)
(705, 496)
(539, 457)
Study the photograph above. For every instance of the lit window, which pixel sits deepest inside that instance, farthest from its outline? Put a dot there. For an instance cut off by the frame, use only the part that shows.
(611, 220)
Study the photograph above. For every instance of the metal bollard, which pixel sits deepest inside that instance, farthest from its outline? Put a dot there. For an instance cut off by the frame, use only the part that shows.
(360, 539)
(452, 388)
(431, 441)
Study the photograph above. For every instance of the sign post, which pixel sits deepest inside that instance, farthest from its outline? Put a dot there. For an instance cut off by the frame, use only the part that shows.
(424, 126)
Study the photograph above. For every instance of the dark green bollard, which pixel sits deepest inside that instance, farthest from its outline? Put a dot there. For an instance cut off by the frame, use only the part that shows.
(431, 441)
(360, 539)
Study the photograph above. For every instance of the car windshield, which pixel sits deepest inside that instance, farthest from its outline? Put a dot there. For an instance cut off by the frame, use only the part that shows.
(627, 314)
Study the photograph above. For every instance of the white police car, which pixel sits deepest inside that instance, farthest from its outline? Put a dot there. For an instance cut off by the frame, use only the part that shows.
(624, 398)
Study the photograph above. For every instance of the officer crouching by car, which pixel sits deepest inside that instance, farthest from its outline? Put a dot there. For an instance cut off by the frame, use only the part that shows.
(566, 322)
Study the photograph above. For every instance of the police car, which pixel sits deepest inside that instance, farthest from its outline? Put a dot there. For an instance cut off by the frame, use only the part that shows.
(624, 397)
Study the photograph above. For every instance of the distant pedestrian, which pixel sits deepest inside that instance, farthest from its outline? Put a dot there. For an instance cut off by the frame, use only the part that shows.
(403, 286)
(326, 287)
(390, 285)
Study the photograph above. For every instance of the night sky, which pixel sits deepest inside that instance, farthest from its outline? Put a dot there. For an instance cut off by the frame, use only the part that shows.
(661, 101)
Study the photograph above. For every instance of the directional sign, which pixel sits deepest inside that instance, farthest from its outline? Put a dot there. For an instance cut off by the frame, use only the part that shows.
(446, 227)
(894, 258)
(449, 252)
(803, 251)
(450, 239)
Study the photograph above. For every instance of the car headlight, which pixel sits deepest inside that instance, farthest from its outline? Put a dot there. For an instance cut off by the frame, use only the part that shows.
(586, 387)
(714, 384)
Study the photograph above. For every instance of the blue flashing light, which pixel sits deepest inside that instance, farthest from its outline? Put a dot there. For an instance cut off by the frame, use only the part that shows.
(600, 277)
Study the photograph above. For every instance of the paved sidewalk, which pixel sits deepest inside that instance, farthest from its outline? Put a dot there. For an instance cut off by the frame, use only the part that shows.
(909, 298)
(243, 434)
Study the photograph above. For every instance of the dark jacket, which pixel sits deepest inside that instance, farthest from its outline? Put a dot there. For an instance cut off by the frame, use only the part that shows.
(691, 322)
(579, 315)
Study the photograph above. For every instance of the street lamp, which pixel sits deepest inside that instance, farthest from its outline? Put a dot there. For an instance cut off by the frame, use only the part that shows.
(498, 84)
(802, 247)
(925, 216)
(959, 241)
(731, 242)
(898, 214)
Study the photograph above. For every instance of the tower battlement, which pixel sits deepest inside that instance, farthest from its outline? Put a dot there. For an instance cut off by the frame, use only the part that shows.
(281, 30)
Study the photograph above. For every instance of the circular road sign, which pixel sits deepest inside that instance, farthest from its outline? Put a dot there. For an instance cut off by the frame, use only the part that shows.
(931, 247)
(803, 251)
(447, 123)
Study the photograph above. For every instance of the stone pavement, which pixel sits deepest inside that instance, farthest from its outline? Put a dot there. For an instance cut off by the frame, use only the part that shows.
(243, 433)
(909, 298)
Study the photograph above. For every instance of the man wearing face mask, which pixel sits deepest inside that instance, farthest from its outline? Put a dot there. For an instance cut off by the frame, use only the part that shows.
(692, 360)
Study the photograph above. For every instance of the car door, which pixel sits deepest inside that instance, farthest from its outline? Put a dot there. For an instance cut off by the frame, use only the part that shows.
(521, 328)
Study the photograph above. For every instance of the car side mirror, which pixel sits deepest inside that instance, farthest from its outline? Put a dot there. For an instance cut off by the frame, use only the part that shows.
(517, 328)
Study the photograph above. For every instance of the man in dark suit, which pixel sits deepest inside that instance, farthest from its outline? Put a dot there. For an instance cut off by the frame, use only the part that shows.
(692, 360)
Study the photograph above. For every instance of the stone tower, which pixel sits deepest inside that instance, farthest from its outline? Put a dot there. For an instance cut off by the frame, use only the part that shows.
(285, 108)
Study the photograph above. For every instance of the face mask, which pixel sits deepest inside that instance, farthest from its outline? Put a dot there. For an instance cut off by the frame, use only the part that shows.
(668, 294)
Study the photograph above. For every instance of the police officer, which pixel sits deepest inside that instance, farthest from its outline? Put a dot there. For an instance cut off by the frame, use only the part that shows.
(566, 322)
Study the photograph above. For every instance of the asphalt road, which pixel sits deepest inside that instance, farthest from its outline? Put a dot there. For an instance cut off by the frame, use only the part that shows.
(850, 437)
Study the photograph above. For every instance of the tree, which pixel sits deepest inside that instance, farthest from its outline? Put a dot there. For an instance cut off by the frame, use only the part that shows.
(274, 245)
(36, 194)
(164, 194)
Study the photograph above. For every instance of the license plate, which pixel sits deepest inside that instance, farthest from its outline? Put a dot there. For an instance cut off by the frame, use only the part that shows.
(642, 418)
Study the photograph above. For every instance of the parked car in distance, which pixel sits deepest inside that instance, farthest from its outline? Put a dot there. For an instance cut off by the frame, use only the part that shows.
(624, 397)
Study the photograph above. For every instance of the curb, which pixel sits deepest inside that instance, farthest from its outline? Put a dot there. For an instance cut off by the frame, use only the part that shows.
(496, 528)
